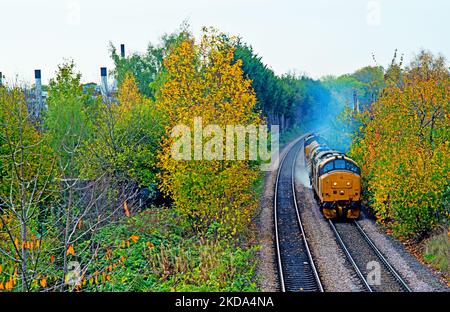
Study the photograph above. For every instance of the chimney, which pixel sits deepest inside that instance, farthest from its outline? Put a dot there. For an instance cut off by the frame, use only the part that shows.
(38, 92)
(122, 50)
(104, 77)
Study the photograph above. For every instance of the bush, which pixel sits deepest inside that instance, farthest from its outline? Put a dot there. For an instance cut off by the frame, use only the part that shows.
(149, 253)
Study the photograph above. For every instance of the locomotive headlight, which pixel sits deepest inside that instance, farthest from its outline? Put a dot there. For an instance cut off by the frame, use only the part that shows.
(334, 183)
(348, 183)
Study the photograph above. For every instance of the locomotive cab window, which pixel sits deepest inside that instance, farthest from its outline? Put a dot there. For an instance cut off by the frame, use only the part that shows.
(326, 168)
(352, 167)
(339, 164)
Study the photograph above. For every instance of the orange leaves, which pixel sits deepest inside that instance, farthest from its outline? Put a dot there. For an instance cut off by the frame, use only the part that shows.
(79, 224)
(35, 244)
(43, 282)
(10, 283)
(108, 254)
(128, 95)
(134, 238)
(125, 243)
(70, 251)
(125, 208)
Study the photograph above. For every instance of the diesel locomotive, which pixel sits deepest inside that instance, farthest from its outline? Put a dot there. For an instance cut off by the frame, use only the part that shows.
(335, 179)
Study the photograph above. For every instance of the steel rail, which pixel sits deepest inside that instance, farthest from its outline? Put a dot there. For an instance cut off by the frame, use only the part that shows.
(312, 267)
(349, 257)
(300, 224)
(277, 239)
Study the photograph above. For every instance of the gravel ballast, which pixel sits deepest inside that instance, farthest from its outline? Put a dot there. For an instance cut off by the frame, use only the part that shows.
(335, 272)
(418, 276)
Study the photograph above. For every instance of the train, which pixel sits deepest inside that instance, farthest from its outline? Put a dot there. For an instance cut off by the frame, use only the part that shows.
(335, 179)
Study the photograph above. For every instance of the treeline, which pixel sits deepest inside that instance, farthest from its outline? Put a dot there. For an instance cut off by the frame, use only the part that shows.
(290, 101)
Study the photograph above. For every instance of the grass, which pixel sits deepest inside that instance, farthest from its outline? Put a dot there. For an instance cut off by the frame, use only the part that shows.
(437, 252)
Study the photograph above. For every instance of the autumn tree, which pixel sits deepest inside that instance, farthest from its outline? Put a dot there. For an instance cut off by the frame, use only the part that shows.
(68, 127)
(204, 81)
(404, 146)
(27, 187)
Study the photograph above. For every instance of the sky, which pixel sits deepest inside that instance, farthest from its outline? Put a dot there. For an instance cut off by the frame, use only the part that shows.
(317, 38)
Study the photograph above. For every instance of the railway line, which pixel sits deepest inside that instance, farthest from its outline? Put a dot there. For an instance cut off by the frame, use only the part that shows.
(296, 268)
(373, 270)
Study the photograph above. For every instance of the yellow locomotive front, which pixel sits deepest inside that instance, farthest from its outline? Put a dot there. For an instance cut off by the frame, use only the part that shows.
(338, 187)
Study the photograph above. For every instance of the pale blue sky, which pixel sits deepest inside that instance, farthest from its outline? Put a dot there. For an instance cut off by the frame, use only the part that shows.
(314, 37)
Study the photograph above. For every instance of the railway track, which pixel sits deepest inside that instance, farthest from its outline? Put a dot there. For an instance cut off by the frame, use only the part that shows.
(369, 264)
(296, 268)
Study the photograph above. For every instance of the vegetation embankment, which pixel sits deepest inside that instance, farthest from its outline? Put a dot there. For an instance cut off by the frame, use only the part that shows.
(401, 141)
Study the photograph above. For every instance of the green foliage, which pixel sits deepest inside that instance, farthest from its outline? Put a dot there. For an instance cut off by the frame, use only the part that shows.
(66, 121)
(278, 98)
(25, 158)
(126, 138)
(149, 253)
